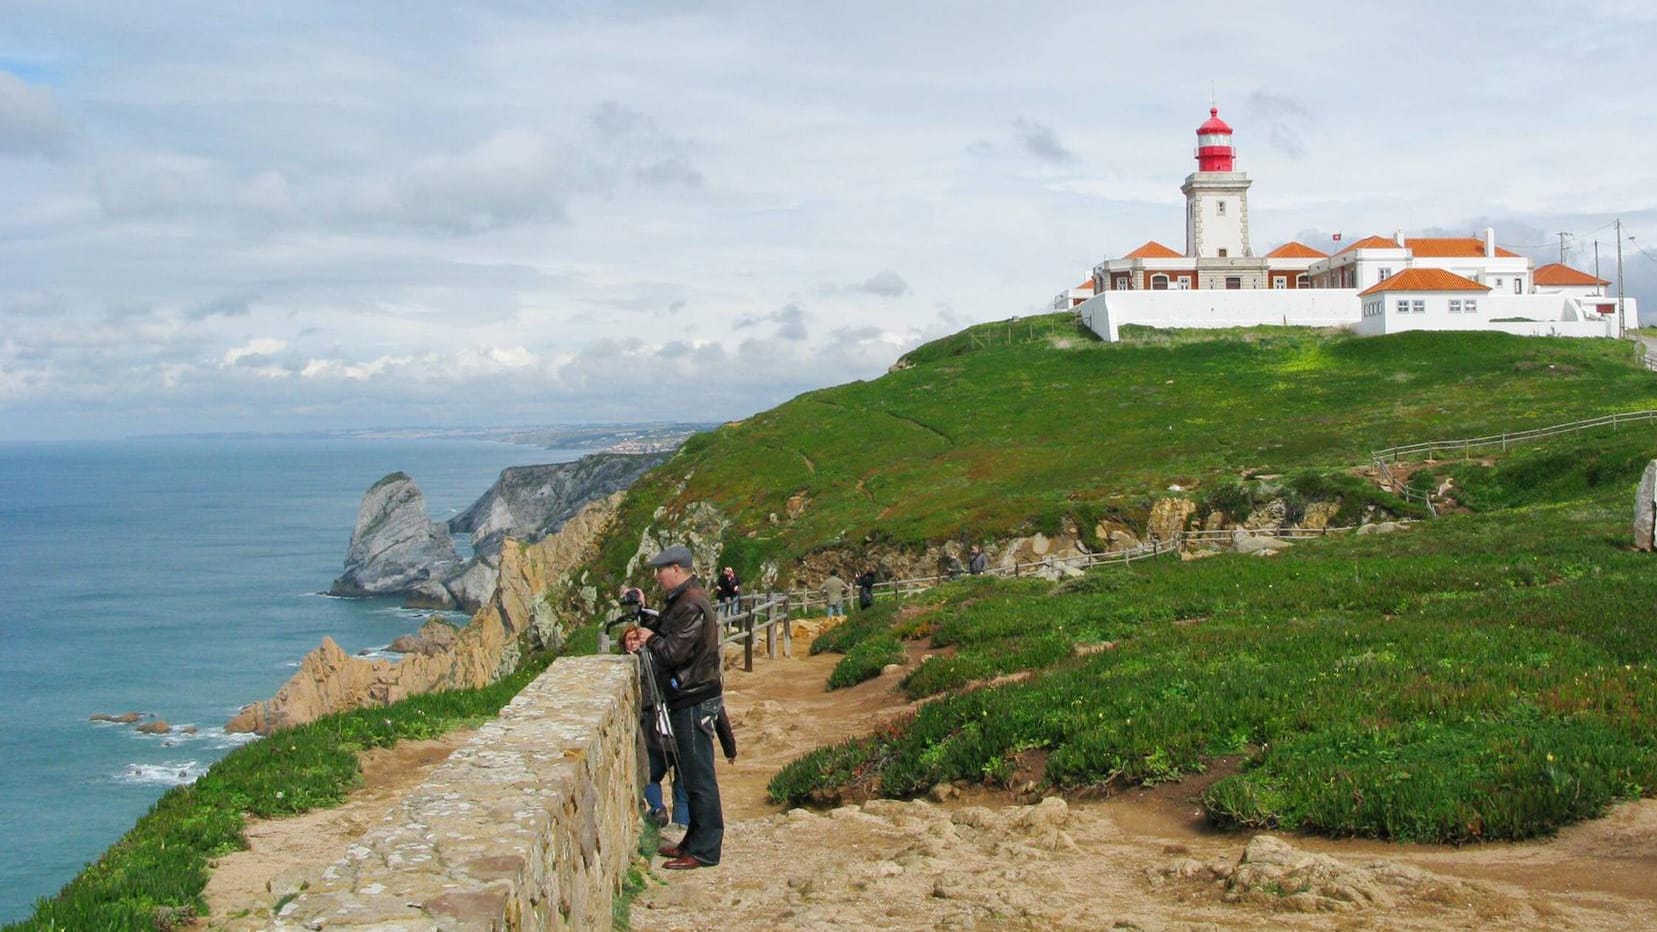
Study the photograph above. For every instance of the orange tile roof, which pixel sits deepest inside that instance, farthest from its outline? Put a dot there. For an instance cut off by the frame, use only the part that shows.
(1556, 274)
(1424, 280)
(1451, 247)
(1371, 242)
(1084, 286)
(1153, 250)
(1294, 250)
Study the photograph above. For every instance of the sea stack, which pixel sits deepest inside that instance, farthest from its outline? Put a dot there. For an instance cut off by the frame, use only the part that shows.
(394, 547)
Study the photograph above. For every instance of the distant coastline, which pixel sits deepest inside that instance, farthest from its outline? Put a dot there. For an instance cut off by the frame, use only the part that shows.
(610, 438)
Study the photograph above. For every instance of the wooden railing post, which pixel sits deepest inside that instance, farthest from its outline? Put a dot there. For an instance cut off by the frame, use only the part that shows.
(748, 645)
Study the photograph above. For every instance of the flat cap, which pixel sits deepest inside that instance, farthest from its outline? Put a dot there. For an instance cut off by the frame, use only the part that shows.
(677, 554)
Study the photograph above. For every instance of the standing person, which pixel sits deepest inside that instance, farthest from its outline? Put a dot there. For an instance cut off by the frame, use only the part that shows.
(866, 588)
(730, 592)
(685, 647)
(979, 561)
(834, 593)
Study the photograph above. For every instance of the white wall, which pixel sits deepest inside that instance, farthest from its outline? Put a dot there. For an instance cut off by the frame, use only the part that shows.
(1314, 307)
(1551, 315)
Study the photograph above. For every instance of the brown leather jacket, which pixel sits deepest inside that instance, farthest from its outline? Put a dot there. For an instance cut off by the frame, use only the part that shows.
(686, 645)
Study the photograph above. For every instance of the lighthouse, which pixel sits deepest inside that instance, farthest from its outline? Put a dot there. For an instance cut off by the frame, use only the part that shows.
(1216, 197)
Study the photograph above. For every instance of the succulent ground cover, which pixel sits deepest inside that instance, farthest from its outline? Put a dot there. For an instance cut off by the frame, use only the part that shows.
(1483, 676)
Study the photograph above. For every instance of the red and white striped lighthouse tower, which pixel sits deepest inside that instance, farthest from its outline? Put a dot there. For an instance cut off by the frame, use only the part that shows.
(1216, 199)
(1214, 151)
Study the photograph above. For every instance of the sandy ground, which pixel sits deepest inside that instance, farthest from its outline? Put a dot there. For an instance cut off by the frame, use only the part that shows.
(1143, 859)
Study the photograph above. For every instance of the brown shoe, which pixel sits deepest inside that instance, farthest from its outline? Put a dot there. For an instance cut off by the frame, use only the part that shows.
(670, 851)
(683, 863)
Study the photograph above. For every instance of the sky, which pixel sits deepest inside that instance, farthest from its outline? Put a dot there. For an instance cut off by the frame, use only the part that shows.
(309, 215)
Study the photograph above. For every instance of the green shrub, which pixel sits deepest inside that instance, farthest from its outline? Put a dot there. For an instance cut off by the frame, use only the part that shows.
(865, 660)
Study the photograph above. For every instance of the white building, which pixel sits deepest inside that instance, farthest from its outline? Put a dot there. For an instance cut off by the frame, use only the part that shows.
(1375, 285)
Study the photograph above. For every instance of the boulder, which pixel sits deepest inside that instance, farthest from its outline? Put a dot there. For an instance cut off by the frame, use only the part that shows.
(125, 718)
(157, 727)
(1645, 509)
(430, 594)
(1168, 517)
(1383, 527)
(471, 587)
(394, 546)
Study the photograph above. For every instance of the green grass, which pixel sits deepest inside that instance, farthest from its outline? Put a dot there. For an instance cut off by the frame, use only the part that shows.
(865, 660)
(154, 876)
(1002, 430)
(1484, 676)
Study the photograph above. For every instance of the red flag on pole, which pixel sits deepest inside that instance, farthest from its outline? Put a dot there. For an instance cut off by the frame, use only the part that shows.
(1336, 237)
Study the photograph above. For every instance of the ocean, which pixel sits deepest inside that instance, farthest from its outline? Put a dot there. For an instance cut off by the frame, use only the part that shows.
(179, 578)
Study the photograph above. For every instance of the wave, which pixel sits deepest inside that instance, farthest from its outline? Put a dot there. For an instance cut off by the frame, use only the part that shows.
(168, 773)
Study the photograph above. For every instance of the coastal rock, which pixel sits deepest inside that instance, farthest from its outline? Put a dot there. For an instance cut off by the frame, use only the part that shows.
(530, 502)
(489, 646)
(125, 718)
(157, 727)
(472, 586)
(394, 546)
(430, 594)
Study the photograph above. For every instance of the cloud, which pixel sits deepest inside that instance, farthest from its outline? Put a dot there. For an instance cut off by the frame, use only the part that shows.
(30, 124)
(1285, 121)
(790, 321)
(655, 156)
(257, 348)
(1040, 141)
(511, 177)
(886, 284)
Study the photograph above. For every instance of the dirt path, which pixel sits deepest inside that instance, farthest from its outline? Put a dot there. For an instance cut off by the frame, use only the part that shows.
(1144, 859)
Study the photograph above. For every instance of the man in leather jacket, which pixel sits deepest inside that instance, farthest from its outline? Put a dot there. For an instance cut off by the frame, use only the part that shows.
(685, 647)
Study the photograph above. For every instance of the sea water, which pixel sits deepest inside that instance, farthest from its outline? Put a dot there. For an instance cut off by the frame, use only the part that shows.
(181, 579)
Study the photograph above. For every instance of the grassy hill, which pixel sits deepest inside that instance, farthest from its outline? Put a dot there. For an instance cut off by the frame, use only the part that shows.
(1011, 428)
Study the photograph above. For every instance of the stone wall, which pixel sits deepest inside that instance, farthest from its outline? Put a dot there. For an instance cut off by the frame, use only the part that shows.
(530, 825)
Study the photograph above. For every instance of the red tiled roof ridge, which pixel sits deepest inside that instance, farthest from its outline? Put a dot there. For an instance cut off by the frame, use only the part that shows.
(1424, 280)
(1153, 250)
(1296, 250)
(1556, 273)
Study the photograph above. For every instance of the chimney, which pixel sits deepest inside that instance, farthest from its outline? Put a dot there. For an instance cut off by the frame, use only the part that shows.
(1398, 237)
(1489, 242)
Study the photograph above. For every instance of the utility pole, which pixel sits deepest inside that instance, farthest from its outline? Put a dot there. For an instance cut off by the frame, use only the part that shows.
(1601, 288)
(1620, 327)
(1562, 247)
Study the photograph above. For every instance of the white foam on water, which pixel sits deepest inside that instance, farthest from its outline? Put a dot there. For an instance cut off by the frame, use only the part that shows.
(168, 773)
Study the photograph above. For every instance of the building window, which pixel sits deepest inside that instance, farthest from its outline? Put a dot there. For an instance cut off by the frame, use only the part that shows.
(1233, 283)
(1279, 282)
(1300, 280)
(1498, 283)
(1518, 284)
(1122, 284)
(1221, 205)
(1455, 305)
(1184, 283)
(1222, 254)
(1385, 274)
(1419, 307)
(1470, 306)
(1159, 282)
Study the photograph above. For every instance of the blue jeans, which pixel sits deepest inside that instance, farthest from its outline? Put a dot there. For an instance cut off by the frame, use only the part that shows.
(653, 789)
(835, 610)
(693, 735)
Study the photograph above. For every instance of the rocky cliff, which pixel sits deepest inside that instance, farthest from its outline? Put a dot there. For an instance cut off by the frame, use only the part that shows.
(526, 503)
(529, 502)
(490, 645)
(394, 546)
